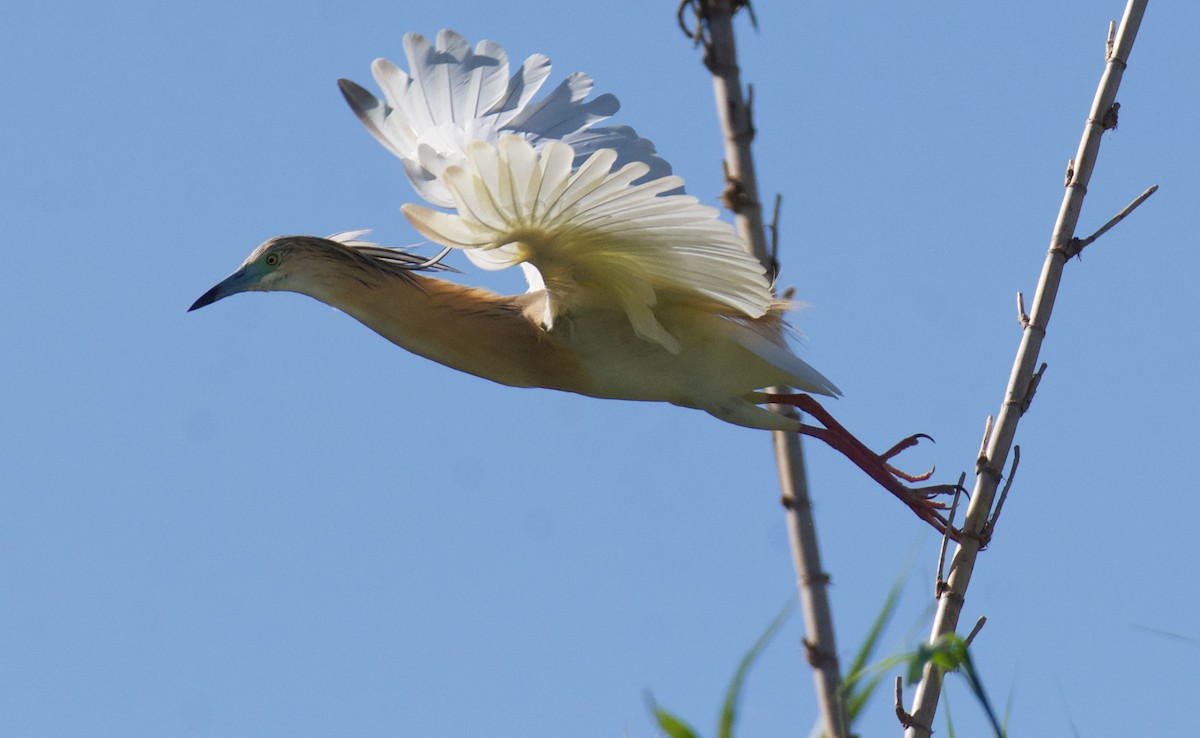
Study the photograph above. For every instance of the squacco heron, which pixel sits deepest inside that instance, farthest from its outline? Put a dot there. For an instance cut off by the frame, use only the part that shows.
(636, 290)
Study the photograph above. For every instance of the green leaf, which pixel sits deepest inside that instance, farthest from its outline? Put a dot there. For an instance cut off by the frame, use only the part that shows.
(881, 620)
(668, 723)
(674, 727)
(729, 708)
(976, 685)
(949, 653)
(856, 694)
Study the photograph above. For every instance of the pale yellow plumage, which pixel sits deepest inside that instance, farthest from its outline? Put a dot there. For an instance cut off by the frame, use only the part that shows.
(637, 291)
(595, 351)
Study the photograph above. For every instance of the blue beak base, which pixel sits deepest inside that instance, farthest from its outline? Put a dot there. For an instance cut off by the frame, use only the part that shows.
(239, 281)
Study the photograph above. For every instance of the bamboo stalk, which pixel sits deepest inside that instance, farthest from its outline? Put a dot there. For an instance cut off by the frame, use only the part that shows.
(715, 31)
(988, 468)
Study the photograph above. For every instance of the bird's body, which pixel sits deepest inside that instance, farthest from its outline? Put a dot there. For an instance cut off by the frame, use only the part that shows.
(593, 352)
(636, 291)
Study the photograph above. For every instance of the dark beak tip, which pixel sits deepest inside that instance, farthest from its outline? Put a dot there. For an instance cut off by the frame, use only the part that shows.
(207, 298)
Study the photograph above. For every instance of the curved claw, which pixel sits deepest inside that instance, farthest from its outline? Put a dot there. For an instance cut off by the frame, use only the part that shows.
(906, 443)
(911, 477)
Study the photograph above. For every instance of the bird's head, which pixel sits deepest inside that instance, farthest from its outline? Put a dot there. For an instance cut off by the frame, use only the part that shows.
(323, 268)
(277, 264)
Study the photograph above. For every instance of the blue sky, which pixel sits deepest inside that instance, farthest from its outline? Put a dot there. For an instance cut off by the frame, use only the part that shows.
(262, 519)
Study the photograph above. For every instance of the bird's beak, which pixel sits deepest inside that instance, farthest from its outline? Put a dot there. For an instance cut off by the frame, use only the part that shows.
(240, 281)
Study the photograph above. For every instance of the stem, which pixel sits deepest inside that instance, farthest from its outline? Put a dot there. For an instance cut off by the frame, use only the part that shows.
(990, 463)
(715, 32)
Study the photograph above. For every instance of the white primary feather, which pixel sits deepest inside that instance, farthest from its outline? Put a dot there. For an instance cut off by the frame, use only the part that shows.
(455, 95)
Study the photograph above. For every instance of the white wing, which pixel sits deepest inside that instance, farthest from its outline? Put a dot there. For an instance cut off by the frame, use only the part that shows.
(599, 239)
(455, 95)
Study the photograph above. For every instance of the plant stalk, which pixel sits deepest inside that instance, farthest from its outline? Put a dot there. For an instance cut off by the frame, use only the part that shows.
(1016, 396)
(715, 32)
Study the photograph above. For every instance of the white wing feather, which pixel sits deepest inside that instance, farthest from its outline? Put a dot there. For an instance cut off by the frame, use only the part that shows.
(455, 95)
(599, 239)
(591, 214)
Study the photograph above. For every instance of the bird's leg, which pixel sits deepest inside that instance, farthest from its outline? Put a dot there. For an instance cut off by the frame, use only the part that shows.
(877, 466)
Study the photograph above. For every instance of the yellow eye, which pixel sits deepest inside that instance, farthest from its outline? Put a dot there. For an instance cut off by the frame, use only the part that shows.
(272, 259)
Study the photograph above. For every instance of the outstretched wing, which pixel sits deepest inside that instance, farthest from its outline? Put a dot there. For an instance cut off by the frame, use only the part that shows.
(598, 238)
(455, 95)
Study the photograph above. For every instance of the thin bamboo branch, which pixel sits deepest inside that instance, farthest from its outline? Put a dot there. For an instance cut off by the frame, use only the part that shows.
(982, 621)
(940, 582)
(1101, 117)
(714, 31)
(1078, 245)
(904, 718)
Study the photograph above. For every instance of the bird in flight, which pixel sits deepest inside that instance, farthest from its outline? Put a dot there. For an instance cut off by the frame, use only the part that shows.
(636, 290)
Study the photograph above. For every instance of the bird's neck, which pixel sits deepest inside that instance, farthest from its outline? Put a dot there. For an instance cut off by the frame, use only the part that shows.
(473, 330)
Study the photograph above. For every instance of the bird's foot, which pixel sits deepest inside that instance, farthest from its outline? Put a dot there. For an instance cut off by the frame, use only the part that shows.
(922, 500)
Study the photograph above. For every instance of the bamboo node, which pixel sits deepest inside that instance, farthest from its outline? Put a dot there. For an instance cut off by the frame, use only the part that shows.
(817, 657)
(1031, 390)
(1110, 117)
(733, 197)
(821, 579)
(984, 465)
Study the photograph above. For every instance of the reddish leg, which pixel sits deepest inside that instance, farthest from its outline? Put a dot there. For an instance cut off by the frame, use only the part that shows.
(920, 499)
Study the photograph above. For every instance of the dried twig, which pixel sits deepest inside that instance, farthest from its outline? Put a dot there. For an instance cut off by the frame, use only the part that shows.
(1031, 390)
(982, 621)
(981, 458)
(1022, 316)
(986, 535)
(949, 608)
(1076, 245)
(713, 30)
(773, 255)
(901, 714)
(939, 586)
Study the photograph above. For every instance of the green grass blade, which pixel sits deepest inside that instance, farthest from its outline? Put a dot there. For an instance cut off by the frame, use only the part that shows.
(668, 723)
(949, 721)
(729, 708)
(886, 611)
(855, 691)
(949, 653)
(976, 685)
